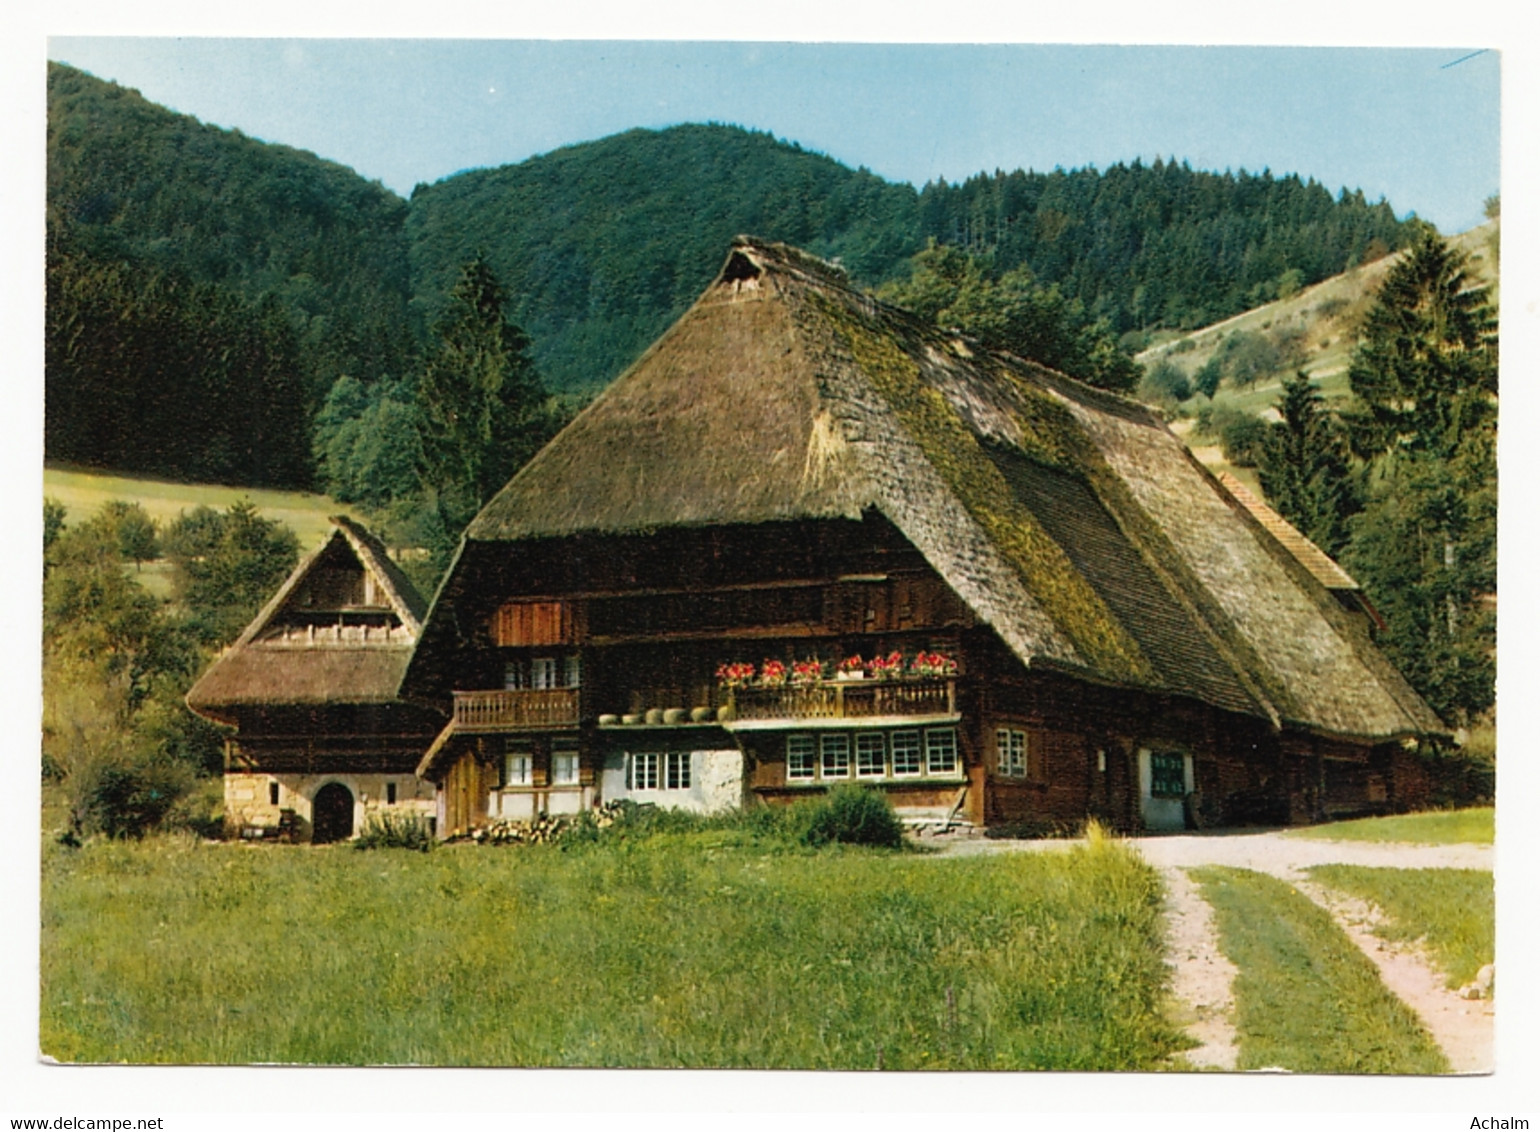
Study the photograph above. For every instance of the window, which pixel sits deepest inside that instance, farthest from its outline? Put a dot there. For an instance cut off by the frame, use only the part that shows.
(272, 793)
(800, 753)
(514, 677)
(870, 754)
(564, 768)
(542, 672)
(642, 771)
(836, 755)
(656, 770)
(941, 751)
(518, 768)
(1168, 778)
(676, 770)
(390, 793)
(906, 753)
(574, 671)
(1011, 752)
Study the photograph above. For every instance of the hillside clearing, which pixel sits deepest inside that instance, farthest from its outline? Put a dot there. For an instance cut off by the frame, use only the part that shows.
(1326, 316)
(83, 492)
(688, 951)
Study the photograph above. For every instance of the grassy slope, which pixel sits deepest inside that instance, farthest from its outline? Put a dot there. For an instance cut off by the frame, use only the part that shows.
(1306, 999)
(679, 951)
(84, 492)
(1453, 910)
(1331, 337)
(1440, 827)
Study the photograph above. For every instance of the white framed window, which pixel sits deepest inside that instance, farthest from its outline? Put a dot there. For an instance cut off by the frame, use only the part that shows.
(871, 754)
(564, 768)
(518, 769)
(543, 672)
(906, 754)
(515, 679)
(1011, 752)
(835, 746)
(801, 756)
(642, 770)
(573, 671)
(676, 770)
(941, 751)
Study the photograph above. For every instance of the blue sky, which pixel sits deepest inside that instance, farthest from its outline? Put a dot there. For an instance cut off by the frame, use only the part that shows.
(1417, 126)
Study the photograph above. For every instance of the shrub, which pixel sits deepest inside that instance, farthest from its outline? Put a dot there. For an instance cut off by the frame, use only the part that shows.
(127, 797)
(855, 815)
(200, 811)
(395, 829)
(1165, 382)
(1240, 436)
(1210, 374)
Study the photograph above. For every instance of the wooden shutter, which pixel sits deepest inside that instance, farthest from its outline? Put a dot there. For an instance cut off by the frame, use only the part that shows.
(533, 623)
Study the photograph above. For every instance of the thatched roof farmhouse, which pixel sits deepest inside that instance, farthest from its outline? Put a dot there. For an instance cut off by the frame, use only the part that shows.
(797, 472)
(310, 687)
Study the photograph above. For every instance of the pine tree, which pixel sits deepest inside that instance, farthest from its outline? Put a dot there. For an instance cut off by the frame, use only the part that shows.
(481, 403)
(1425, 546)
(1304, 467)
(1427, 366)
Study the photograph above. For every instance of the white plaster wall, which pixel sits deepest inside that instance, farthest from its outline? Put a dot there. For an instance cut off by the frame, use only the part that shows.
(247, 794)
(526, 804)
(716, 783)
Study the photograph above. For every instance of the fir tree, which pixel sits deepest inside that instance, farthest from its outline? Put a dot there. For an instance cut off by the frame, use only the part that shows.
(1425, 546)
(1304, 467)
(481, 404)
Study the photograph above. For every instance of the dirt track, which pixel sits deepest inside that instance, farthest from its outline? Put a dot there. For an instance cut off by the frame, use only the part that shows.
(1202, 975)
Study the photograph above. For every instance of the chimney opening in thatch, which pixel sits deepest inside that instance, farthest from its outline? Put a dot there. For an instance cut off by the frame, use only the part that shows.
(739, 267)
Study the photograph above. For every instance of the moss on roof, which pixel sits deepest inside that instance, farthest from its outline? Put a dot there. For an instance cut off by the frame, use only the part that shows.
(785, 395)
(954, 451)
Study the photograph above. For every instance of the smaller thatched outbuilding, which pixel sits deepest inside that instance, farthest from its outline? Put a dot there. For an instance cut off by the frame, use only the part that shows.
(310, 686)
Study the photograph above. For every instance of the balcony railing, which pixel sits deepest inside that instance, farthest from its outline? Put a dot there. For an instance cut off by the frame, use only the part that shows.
(506, 710)
(856, 699)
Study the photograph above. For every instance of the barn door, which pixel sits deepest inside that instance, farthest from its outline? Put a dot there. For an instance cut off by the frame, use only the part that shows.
(332, 814)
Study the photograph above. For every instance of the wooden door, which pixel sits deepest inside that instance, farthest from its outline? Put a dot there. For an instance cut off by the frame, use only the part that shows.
(331, 815)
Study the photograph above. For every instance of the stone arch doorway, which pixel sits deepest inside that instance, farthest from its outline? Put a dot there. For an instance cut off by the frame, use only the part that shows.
(331, 814)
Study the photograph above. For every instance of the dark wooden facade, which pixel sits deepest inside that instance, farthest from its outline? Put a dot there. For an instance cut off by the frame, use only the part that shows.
(642, 624)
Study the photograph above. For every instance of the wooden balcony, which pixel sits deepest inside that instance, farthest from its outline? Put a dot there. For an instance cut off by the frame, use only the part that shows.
(516, 710)
(855, 700)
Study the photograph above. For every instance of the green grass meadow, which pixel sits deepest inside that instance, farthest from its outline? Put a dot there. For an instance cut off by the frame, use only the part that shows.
(1437, 827)
(672, 951)
(1306, 999)
(83, 492)
(1453, 911)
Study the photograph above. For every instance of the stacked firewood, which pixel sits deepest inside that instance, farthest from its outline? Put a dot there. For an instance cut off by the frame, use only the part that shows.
(545, 829)
(501, 831)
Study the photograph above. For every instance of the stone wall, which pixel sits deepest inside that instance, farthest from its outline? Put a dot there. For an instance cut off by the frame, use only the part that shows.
(248, 797)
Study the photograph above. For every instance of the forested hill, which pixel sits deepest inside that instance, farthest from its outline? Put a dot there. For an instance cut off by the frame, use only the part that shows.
(604, 243)
(205, 290)
(131, 181)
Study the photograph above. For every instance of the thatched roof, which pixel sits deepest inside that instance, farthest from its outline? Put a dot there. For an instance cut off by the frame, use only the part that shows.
(1321, 565)
(1070, 520)
(340, 630)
